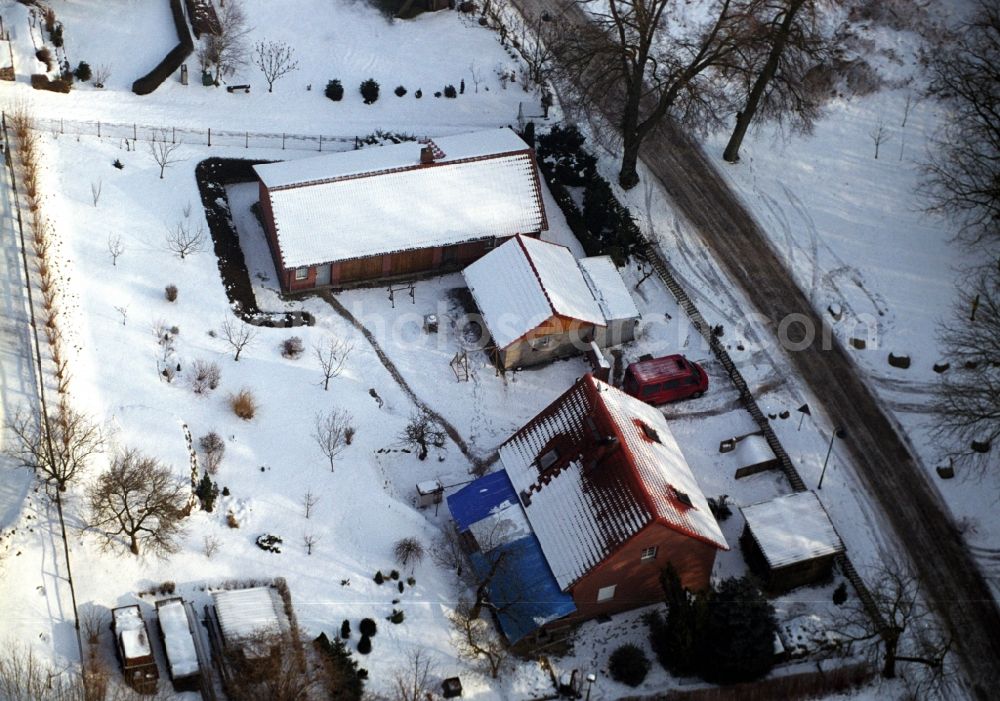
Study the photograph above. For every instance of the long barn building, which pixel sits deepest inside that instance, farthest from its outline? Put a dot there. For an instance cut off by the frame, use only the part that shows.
(398, 211)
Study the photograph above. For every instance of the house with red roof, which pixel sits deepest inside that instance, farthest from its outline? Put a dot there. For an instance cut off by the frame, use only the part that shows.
(596, 499)
(538, 302)
(398, 211)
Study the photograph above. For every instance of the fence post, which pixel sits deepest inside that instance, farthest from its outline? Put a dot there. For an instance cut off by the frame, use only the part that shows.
(135, 133)
(282, 141)
(61, 126)
(210, 136)
(173, 135)
(246, 143)
(98, 129)
(320, 142)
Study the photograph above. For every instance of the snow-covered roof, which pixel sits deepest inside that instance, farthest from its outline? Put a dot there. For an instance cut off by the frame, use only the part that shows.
(752, 450)
(524, 282)
(245, 612)
(380, 200)
(130, 627)
(585, 506)
(792, 528)
(608, 288)
(181, 655)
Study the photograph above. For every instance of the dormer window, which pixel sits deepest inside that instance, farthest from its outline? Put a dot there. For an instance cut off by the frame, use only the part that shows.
(548, 459)
(682, 497)
(650, 432)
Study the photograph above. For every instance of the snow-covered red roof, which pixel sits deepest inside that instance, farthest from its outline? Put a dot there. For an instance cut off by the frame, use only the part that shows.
(608, 288)
(585, 506)
(244, 613)
(379, 200)
(792, 528)
(181, 655)
(526, 281)
(132, 631)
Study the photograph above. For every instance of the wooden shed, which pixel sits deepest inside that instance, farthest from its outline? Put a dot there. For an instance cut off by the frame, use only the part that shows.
(177, 634)
(789, 541)
(538, 302)
(134, 649)
(398, 211)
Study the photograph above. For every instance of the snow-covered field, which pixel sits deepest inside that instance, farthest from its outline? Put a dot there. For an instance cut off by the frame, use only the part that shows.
(848, 227)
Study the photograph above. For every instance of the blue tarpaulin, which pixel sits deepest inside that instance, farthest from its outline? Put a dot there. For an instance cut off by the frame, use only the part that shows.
(522, 588)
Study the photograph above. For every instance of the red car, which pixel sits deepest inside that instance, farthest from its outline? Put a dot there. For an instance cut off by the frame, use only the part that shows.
(666, 379)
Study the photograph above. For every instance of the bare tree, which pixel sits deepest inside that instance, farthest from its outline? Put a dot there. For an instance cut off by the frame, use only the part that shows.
(274, 59)
(627, 61)
(138, 503)
(227, 50)
(115, 248)
(238, 335)
(309, 540)
(904, 629)
(332, 357)
(101, 74)
(408, 550)
(331, 432)
(214, 448)
(163, 151)
(536, 41)
(478, 641)
(95, 191)
(58, 448)
(210, 546)
(422, 432)
(962, 179)
(476, 74)
(123, 310)
(968, 397)
(879, 134)
(183, 240)
(784, 46)
(412, 682)
(309, 500)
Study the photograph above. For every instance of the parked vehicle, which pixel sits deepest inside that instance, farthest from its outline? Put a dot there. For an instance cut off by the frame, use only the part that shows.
(666, 379)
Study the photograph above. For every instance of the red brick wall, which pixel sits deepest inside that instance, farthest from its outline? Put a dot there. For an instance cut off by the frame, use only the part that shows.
(637, 580)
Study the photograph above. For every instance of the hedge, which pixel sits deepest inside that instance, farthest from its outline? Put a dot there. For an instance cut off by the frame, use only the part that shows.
(173, 60)
(40, 81)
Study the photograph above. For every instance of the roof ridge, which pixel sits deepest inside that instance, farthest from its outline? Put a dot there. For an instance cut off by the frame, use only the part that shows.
(534, 269)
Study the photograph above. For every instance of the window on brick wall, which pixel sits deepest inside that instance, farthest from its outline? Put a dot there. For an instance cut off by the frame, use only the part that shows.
(648, 553)
(606, 593)
(301, 273)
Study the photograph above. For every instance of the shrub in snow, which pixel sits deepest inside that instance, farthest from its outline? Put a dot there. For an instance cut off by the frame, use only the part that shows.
(206, 377)
(231, 520)
(411, 581)
(437, 94)
(349, 434)
(400, 91)
(45, 56)
(225, 491)
(346, 680)
(243, 404)
(400, 584)
(629, 665)
(170, 292)
(365, 645)
(345, 629)
(720, 507)
(396, 617)
(449, 91)
(292, 347)
(168, 587)
(269, 543)
(840, 594)
(368, 627)
(83, 71)
(207, 492)
(334, 90)
(369, 91)
(418, 94)
(214, 448)
(57, 36)
(379, 579)
(394, 574)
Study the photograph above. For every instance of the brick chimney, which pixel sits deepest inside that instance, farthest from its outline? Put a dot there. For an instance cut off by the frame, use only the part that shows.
(426, 155)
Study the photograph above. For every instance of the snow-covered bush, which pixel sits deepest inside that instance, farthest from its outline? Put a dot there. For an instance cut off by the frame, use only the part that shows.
(83, 72)
(400, 91)
(292, 347)
(369, 91)
(334, 90)
(629, 665)
(170, 292)
(449, 91)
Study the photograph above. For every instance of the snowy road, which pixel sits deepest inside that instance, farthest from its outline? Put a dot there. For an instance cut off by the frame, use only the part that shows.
(881, 457)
